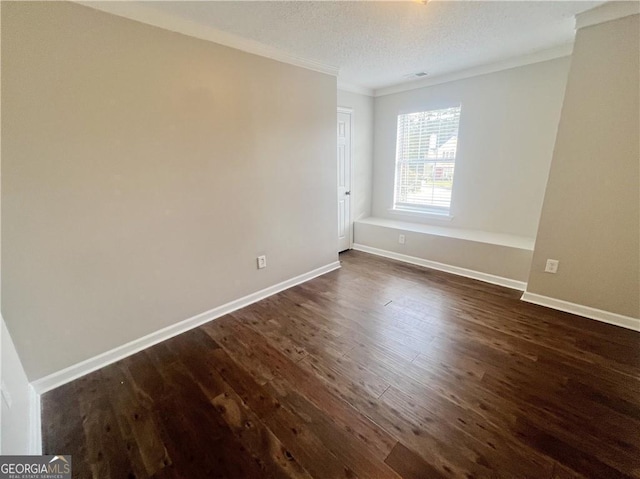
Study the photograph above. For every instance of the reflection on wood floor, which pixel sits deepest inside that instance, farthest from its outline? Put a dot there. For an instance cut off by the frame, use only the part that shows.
(377, 370)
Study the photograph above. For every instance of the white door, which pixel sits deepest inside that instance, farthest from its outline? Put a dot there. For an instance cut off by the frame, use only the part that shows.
(344, 179)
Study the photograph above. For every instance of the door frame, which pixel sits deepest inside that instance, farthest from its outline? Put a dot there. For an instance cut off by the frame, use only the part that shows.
(349, 111)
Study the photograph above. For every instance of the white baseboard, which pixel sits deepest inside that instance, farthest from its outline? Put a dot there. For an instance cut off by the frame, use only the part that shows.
(586, 311)
(35, 424)
(467, 273)
(87, 366)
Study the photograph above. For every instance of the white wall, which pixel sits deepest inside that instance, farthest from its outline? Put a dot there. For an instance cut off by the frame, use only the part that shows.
(16, 425)
(143, 172)
(591, 216)
(507, 131)
(502, 256)
(362, 138)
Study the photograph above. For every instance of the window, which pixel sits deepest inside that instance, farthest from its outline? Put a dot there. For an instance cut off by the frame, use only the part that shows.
(427, 143)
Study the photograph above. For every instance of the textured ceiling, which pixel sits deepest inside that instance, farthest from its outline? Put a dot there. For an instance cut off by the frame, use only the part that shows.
(377, 44)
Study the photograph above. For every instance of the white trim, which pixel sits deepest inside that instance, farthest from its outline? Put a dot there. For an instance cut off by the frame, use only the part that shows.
(467, 273)
(35, 425)
(607, 12)
(477, 236)
(537, 57)
(87, 366)
(585, 311)
(353, 88)
(149, 15)
(349, 111)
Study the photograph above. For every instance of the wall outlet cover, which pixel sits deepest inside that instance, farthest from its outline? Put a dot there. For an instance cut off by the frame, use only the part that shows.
(552, 266)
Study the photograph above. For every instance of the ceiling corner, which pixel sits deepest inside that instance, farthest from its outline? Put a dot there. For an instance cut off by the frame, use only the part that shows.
(353, 88)
(145, 14)
(609, 11)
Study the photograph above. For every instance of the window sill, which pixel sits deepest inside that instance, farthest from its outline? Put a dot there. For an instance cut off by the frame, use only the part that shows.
(478, 236)
(421, 214)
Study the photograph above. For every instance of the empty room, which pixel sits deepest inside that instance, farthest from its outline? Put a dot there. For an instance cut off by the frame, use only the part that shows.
(320, 239)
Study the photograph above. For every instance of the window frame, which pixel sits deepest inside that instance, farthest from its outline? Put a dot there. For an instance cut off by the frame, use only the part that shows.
(424, 210)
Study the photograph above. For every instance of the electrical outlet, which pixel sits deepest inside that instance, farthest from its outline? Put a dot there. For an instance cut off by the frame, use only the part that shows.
(262, 262)
(401, 239)
(552, 266)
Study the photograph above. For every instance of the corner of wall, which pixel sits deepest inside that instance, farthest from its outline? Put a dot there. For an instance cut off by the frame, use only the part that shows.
(20, 418)
(362, 141)
(591, 226)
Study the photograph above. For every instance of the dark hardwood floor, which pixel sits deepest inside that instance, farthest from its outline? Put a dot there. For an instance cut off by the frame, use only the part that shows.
(377, 370)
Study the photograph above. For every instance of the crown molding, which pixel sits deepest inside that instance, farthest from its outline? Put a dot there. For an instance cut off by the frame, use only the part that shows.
(536, 57)
(353, 88)
(145, 14)
(607, 12)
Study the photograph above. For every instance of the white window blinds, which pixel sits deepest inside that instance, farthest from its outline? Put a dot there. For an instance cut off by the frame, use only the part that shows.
(427, 144)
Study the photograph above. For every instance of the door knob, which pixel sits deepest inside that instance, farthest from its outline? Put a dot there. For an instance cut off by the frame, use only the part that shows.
(347, 193)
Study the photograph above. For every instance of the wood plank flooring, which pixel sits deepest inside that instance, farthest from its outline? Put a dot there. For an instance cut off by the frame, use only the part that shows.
(377, 370)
